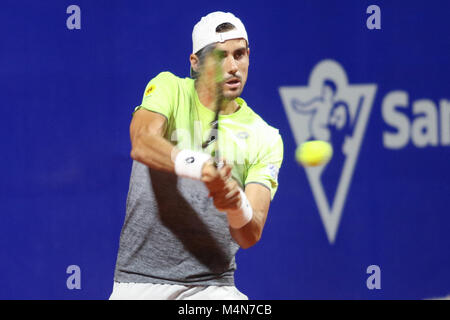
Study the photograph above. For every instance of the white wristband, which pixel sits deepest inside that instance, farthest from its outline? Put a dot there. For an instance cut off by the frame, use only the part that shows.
(240, 217)
(189, 163)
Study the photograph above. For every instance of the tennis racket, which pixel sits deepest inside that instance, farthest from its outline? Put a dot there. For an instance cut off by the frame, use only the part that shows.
(212, 76)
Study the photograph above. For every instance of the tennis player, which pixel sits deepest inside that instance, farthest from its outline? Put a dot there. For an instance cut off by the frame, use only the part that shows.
(185, 217)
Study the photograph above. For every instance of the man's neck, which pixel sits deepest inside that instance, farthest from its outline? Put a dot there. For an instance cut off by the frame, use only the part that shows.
(207, 99)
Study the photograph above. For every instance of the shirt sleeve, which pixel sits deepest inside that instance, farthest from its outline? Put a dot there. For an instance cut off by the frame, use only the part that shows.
(159, 95)
(265, 169)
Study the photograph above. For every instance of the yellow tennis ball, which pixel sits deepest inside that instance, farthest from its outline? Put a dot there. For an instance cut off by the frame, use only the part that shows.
(314, 153)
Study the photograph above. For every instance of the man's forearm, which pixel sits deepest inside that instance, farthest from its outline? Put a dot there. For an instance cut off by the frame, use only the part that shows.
(154, 151)
(249, 234)
(259, 199)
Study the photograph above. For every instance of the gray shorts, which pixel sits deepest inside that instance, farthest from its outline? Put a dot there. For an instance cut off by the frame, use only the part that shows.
(152, 291)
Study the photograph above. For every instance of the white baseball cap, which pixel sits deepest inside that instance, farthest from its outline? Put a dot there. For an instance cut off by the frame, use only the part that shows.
(204, 32)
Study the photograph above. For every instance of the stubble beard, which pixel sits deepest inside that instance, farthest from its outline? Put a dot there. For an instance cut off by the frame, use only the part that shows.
(231, 95)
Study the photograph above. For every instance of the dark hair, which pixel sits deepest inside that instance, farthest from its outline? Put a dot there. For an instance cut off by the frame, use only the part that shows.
(224, 27)
(221, 28)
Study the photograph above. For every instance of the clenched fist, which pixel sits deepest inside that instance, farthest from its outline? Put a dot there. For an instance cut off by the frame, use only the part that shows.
(222, 187)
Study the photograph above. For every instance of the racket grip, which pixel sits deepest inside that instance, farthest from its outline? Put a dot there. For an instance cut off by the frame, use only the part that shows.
(219, 163)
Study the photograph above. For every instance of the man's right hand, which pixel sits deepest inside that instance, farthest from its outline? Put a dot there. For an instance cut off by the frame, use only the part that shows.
(222, 188)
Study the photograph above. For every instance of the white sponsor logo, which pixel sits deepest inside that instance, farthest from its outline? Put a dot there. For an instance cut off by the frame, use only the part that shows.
(329, 108)
(273, 171)
(421, 123)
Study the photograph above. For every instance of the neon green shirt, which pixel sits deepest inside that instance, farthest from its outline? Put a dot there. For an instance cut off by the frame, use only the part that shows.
(245, 140)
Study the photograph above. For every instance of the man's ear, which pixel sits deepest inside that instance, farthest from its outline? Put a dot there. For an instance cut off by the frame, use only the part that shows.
(194, 62)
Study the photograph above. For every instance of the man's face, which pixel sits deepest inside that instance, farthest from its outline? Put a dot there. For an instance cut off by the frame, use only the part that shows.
(235, 66)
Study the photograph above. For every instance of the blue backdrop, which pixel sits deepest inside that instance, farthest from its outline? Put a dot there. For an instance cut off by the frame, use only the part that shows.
(67, 98)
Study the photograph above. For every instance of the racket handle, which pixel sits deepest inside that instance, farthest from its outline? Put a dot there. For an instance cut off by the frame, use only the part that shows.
(219, 164)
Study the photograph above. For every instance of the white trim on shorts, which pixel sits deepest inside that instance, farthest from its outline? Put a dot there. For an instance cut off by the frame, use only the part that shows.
(153, 291)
